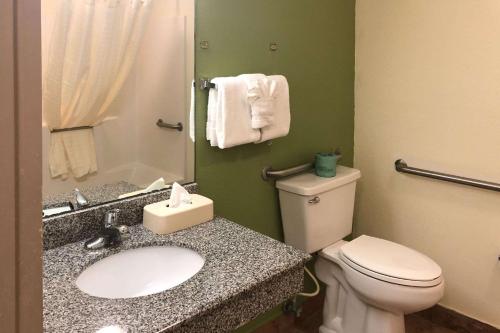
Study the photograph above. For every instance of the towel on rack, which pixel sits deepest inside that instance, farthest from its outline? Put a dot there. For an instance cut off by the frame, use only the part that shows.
(192, 111)
(261, 97)
(213, 100)
(72, 151)
(281, 122)
(232, 119)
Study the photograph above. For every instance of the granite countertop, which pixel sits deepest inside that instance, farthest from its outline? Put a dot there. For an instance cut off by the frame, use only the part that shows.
(237, 261)
(95, 194)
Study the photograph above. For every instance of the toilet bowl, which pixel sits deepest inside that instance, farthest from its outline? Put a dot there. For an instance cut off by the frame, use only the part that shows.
(372, 301)
(371, 283)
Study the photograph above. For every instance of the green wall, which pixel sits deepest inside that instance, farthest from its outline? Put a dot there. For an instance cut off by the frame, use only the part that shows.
(316, 53)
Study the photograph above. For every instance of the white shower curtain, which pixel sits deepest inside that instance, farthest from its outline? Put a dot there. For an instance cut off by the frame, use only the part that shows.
(92, 47)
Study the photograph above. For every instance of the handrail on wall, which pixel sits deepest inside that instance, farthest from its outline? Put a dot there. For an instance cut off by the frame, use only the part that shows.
(268, 172)
(401, 166)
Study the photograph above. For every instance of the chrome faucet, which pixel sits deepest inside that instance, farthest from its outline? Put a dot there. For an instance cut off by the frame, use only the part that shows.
(81, 200)
(111, 234)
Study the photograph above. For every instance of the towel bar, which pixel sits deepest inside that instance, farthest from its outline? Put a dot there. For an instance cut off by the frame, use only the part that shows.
(268, 172)
(401, 166)
(206, 84)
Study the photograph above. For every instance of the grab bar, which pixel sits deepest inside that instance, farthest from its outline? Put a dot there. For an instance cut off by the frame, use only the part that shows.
(268, 172)
(401, 166)
(161, 123)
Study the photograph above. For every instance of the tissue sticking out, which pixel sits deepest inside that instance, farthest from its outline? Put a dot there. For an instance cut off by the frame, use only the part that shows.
(158, 184)
(179, 196)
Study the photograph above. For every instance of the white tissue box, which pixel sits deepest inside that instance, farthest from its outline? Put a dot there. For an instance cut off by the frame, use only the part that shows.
(161, 219)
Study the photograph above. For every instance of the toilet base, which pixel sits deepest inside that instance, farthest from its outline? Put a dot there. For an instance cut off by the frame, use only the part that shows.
(375, 321)
(344, 312)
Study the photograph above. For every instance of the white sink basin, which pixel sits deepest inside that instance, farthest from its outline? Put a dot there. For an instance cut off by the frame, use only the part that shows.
(140, 272)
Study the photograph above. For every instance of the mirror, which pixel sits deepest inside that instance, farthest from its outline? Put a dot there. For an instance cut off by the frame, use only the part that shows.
(117, 111)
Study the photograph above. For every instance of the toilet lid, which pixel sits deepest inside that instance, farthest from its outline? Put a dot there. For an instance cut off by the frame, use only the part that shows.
(390, 262)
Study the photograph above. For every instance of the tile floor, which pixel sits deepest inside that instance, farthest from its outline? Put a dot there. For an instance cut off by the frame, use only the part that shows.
(429, 321)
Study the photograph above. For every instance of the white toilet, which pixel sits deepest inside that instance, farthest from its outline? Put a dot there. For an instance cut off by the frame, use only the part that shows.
(371, 282)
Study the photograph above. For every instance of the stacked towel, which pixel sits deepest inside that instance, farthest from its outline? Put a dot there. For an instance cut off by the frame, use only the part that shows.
(229, 119)
(213, 100)
(261, 96)
(249, 108)
(281, 115)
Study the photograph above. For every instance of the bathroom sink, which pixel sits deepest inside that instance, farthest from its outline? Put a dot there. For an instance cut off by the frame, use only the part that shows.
(140, 272)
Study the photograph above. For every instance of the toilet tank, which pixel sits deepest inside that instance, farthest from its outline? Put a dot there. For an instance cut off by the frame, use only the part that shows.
(315, 211)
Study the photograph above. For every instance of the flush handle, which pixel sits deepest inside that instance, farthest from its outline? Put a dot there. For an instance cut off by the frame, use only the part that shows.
(314, 200)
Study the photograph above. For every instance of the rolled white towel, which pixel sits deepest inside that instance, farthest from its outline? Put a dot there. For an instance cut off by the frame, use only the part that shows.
(281, 122)
(261, 97)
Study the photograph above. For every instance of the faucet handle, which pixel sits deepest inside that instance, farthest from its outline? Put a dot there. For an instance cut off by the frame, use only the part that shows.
(111, 218)
(124, 231)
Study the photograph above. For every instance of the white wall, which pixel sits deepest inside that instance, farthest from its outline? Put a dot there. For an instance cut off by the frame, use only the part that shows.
(160, 86)
(428, 90)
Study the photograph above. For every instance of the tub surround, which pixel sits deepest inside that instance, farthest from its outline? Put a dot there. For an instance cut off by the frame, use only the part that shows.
(245, 274)
(84, 223)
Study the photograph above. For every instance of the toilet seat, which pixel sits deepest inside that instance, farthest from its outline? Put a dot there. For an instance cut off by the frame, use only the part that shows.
(387, 261)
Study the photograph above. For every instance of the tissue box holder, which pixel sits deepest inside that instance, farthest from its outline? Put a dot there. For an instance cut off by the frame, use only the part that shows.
(161, 219)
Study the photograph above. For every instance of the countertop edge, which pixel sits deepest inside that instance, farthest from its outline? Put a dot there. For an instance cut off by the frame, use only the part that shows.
(250, 303)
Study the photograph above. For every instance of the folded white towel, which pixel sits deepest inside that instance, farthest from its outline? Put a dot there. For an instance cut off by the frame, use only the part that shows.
(192, 111)
(281, 122)
(261, 97)
(213, 101)
(232, 116)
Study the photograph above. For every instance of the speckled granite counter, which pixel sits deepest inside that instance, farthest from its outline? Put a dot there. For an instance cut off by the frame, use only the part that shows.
(95, 194)
(245, 274)
(78, 225)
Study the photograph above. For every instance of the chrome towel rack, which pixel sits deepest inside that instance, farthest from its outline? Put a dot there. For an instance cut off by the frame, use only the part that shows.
(401, 166)
(206, 84)
(268, 172)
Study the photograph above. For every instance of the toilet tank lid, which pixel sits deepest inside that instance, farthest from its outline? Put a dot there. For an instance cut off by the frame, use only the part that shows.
(310, 184)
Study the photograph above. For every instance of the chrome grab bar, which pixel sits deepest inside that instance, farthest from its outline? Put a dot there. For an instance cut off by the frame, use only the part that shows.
(161, 123)
(315, 200)
(401, 166)
(268, 172)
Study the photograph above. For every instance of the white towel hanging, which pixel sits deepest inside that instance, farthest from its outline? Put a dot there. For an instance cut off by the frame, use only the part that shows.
(230, 114)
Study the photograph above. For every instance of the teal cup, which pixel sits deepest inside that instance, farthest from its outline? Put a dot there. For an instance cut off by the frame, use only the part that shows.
(325, 165)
